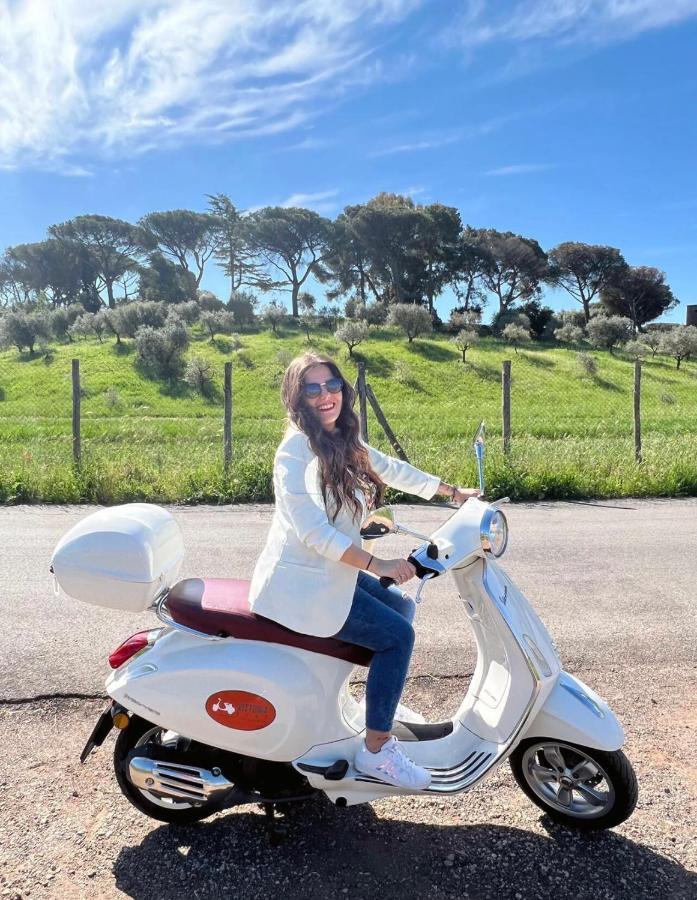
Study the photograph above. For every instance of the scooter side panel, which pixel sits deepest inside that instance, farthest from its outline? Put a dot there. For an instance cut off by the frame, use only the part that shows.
(184, 684)
(574, 712)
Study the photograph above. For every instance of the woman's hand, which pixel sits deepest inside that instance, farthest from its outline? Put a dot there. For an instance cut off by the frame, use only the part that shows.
(461, 495)
(457, 495)
(398, 569)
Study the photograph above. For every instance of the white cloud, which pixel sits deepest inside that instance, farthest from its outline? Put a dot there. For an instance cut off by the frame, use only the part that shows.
(520, 169)
(411, 146)
(111, 79)
(567, 21)
(321, 201)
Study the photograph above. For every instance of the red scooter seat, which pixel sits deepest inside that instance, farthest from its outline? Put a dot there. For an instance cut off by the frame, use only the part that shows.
(221, 606)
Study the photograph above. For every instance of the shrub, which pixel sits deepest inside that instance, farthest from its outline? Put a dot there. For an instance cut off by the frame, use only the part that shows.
(189, 311)
(375, 313)
(588, 364)
(509, 317)
(402, 372)
(112, 400)
(245, 360)
(199, 375)
(354, 308)
(636, 349)
(243, 306)
(161, 351)
(464, 319)
(352, 334)
(569, 333)
(412, 319)
(328, 317)
(209, 302)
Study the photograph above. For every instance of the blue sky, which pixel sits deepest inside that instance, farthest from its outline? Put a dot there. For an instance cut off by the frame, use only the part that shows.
(560, 120)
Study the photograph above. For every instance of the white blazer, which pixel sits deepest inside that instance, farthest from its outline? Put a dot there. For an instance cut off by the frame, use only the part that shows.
(299, 579)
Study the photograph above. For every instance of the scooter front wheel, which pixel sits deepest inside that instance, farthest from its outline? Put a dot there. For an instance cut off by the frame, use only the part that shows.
(138, 734)
(578, 786)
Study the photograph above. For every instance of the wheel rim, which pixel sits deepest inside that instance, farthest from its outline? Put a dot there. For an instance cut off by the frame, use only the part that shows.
(162, 738)
(568, 780)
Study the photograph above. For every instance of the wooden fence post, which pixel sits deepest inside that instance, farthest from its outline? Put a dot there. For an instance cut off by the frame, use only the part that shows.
(363, 410)
(227, 424)
(76, 411)
(506, 404)
(382, 419)
(637, 410)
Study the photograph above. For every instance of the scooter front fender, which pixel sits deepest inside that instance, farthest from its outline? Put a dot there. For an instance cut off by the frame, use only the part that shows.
(573, 712)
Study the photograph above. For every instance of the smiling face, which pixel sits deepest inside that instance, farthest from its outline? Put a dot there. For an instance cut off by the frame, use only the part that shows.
(327, 406)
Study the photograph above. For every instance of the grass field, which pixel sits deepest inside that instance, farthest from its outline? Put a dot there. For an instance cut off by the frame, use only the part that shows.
(141, 439)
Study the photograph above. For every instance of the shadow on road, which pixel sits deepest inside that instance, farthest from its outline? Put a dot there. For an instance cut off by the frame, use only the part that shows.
(335, 853)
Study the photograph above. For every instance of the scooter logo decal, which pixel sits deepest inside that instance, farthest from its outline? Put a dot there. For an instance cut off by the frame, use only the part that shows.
(240, 710)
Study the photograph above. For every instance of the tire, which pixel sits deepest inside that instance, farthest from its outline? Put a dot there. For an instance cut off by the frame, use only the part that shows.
(551, 773)
(140, 732)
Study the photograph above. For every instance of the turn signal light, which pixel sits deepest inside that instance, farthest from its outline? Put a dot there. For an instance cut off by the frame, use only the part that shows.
(134, 644)
(120, 720)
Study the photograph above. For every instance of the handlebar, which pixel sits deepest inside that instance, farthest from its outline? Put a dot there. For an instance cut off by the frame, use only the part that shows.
(421, 571)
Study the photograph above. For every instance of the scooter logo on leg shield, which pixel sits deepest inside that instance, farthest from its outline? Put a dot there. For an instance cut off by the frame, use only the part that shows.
(240, 710)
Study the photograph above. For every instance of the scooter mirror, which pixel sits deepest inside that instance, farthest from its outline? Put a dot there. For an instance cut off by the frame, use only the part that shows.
(378, 524)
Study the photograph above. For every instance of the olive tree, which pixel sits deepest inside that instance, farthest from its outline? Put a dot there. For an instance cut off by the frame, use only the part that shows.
(22, 329)
(680, 343)
(607, 332)
(464, 339)
(160, 351)
(412, 319)
(274, 314)
(351, 333)
(516, 335)
(220, 322)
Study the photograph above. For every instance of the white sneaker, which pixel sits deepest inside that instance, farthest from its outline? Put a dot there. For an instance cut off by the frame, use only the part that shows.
(391, 765)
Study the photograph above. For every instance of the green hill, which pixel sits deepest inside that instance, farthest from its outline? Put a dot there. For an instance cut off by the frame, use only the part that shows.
(142, 439)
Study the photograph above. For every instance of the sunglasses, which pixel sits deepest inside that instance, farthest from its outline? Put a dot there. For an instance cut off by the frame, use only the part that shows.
(314, 389)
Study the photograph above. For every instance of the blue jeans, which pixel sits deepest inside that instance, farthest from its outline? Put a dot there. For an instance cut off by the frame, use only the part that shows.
(380, 619)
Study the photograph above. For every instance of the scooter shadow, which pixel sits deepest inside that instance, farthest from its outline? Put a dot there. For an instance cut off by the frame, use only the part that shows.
(336, 853)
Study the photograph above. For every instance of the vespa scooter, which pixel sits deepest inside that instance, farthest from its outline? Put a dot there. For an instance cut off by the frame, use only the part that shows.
(220, 707)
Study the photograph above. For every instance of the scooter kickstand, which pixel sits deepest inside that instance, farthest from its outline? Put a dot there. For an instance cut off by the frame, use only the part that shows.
(275, 828)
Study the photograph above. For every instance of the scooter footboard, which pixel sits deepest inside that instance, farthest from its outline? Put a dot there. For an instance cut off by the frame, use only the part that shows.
(574, 712)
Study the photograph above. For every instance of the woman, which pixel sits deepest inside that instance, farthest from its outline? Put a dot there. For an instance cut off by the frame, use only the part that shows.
(314, 577)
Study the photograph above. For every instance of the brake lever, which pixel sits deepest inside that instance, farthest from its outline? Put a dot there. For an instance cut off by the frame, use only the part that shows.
(417, 598)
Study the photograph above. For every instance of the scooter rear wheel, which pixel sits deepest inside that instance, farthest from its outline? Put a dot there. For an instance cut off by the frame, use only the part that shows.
(138, 733)
(581, 787)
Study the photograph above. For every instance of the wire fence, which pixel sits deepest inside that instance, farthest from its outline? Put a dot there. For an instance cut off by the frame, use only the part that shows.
(570, 424)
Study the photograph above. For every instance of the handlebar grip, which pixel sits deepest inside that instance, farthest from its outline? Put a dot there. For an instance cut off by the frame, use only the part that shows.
(386, 581)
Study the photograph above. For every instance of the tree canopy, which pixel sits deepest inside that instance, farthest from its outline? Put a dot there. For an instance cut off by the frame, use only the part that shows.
(640, 293)
(292, 243)
(583, 270)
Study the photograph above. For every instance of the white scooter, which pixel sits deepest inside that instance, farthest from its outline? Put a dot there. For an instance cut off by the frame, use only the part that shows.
(221, 707)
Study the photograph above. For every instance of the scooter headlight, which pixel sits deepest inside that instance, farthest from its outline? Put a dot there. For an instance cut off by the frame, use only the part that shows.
(494, 532)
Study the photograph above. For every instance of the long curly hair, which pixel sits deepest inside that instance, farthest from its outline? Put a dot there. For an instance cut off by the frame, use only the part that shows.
(344, 462)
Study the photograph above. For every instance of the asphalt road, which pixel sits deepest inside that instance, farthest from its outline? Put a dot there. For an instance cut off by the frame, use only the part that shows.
(614, 581)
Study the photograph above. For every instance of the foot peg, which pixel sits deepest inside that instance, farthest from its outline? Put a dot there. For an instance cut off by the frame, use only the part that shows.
(337, 770)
